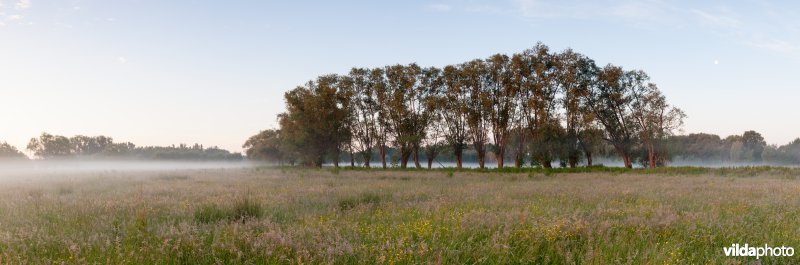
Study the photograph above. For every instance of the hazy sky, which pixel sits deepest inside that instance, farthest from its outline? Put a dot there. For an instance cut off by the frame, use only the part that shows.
(214, 72)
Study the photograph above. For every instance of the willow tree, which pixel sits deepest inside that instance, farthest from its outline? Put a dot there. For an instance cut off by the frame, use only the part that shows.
(8, 151)
(500, 96)
(267, 145)
(575, 74)
(410, 107)
(519, 72)
(611, 101)
(377, 80)
(315, 121)
(538, 92)
(365, 111)
(50, 146)
(474, 80)
(428, 114)
(454, 112)
(655, 118)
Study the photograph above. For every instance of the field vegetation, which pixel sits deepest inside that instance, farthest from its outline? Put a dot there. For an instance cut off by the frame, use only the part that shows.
(446, 216)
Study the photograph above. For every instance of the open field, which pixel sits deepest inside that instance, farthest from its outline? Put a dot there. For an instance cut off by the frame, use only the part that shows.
(280, 215)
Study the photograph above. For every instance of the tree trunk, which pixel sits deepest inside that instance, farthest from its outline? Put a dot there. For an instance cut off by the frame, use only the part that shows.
(651, 155)
(518, 159)
(367, 157)
(481, 152)
(383, 155)
(336, 158)
(588, 158)
(500, 156)
(430, 162)
(626, 156)
(352, 160)
(627, 159)
(415, 155)
(573, 159)
(458, 153)
(404, 156)
(546, 163)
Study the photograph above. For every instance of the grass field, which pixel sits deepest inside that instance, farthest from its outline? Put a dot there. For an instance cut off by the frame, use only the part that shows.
(282, 215)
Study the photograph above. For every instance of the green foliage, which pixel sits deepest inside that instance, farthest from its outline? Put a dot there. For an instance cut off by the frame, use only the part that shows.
(49, 146)
(660, 216)
(315, 124)
(365, 198)
(539, 103)
(268, 145)
(246, 208)
(210, 213)
(243, 209)
(8, 151)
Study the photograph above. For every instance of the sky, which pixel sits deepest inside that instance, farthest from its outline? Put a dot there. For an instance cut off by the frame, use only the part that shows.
(214, 72)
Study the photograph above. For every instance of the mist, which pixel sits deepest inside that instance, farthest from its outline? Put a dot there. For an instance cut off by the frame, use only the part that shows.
(14, 170)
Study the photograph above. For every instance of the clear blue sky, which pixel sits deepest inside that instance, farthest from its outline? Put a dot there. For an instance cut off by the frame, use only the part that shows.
(214, 72)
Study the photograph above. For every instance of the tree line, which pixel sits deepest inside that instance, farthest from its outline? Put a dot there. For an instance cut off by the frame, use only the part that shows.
(747, 148)
(537, 105)
(49, 146)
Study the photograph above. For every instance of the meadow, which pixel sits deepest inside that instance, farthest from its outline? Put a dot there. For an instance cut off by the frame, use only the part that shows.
(348, 216)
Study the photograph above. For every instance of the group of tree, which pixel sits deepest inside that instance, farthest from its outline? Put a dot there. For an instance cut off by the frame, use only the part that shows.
(747, 148)
(537, 106)
(48, 146)
(9, 152)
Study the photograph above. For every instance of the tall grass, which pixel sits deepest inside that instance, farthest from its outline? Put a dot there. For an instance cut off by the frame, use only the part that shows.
(275, 216)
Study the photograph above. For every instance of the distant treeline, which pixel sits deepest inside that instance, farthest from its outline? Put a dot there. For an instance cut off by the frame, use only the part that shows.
(533, 107)
(48, 146)
(748, 148)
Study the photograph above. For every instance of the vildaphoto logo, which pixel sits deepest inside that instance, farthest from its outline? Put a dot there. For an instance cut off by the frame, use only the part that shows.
(735, 250)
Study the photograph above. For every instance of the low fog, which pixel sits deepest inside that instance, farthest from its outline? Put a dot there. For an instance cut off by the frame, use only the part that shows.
(21, 169)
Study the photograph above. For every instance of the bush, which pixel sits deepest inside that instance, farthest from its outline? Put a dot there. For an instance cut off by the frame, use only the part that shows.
(363, 198)
(209, 213)
(243, 209)
(246, 208)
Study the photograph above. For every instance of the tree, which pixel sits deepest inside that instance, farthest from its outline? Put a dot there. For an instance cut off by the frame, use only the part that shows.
(8, 151)
(474, 80)
(575, 74)
(519, 69)
(346, 90)
(400, 81)
(377, 80)
(429, 116)
(500, 94)
(87, 146)
(434, 141)
(366, 125)
(454, 112)
(315, 120)
(548, 144)
(50, 146)
(590, 139)
(267, 145)
(754, 142)
(610, 100)
(655, 119)
(410, 89)
(538, 91)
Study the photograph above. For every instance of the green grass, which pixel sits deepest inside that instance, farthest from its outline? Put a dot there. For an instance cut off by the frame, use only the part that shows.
(355, 216)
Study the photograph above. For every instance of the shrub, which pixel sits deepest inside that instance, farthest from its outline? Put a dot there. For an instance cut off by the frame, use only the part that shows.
(246, 208)
(370, 198)
(242, 209)
(209, 213)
